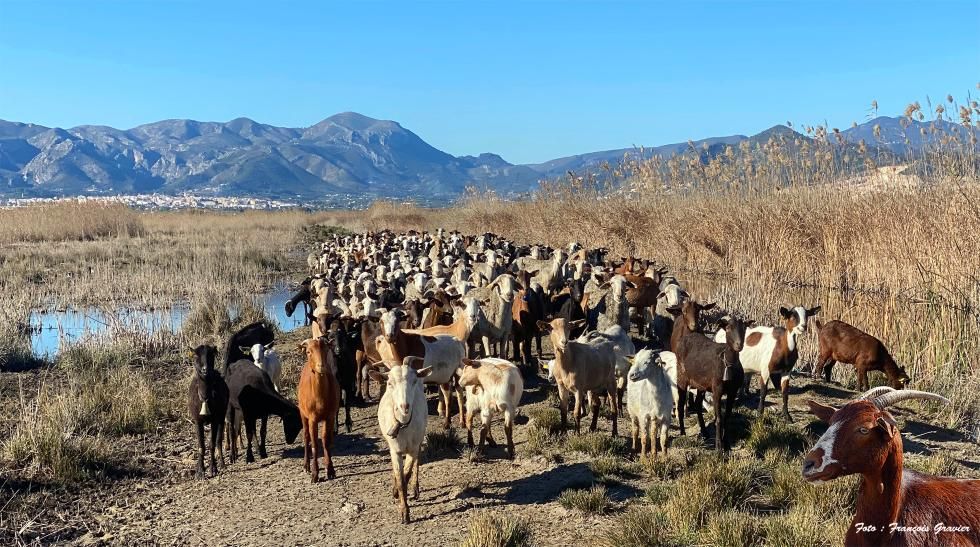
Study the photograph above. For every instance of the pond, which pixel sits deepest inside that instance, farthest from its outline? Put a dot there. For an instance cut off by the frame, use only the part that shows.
(52, 328)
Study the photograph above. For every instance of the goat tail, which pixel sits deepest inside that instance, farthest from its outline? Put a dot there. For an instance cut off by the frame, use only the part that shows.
(818, 324)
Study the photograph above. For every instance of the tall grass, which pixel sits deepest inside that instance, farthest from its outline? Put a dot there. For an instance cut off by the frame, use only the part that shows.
(69, 221)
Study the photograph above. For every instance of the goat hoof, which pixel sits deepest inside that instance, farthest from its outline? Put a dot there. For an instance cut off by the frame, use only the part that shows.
(249, 458)
(492, 443)
(262, 453)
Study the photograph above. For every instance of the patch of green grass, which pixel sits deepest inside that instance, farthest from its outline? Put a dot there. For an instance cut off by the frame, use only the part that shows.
(735, 529)
(672, 465)
(498, 530)
(592, 501)
(711, 487)
(540, 443)
(658, 492)
(596, 443)
(771, 431)
(605, 467)
(641, 527)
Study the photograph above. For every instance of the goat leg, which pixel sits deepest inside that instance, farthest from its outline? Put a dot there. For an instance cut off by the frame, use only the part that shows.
(249, 437)
(764, 390)
(215, 444)
(200, 449)
(265, 421)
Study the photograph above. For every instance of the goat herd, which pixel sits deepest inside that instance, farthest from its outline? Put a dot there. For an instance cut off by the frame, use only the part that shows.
(458, 312)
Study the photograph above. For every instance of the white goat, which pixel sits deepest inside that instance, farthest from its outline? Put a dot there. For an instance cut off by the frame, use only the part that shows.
(491, 385)
(650, 399)
(401, 417)
(267, 359)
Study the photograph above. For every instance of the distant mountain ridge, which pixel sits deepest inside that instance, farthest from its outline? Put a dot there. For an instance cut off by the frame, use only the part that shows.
(347, 153)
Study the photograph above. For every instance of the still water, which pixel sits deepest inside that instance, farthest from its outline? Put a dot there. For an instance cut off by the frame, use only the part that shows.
(51, 329)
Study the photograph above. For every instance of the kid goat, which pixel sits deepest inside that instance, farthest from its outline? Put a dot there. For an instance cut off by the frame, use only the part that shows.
(895, 506)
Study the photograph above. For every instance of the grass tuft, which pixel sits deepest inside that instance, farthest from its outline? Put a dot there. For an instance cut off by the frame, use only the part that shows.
(498, 530)
(592, 501)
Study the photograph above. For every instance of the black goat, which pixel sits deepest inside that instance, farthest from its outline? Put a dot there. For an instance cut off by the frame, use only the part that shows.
(252, 397)
(347, 334)
(255, 333)
(302, 296)
(207, 403)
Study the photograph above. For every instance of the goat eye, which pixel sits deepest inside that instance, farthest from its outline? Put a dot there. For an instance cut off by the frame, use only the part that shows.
(863, 430)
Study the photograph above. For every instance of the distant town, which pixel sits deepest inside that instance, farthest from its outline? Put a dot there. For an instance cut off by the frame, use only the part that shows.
(231, 203)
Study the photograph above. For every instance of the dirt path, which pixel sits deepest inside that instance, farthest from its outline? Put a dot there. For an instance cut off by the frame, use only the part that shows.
(272, 502)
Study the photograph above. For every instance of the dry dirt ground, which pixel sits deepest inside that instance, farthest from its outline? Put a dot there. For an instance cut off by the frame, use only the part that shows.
(272, 501)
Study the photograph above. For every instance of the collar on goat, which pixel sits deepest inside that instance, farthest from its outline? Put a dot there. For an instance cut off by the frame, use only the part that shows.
(396, 429)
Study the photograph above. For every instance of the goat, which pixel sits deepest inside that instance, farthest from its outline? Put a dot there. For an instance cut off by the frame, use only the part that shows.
(246, 337)
(847, 344)
(895, 506)
(650, 400)
(613, 307)
(707, 366)
(497, 313)
(266, 358)
(772, 352)
(624, 350)
(401, 417)
(662, 323)
(207, 404)
(252, 396)
(491, 384)
(579, 368)
(302, 296)
(529, 308)
(319, 401)
(346, 333)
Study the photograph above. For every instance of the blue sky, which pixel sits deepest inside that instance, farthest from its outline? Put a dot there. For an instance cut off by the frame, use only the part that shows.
(528, 80)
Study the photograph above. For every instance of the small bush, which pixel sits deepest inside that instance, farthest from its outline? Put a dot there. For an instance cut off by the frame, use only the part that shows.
(592, 501)
(490, 530)
(545, 419)
(442, 443)
(596, 443)
(539, 443)
(208, 321)
(640, 527)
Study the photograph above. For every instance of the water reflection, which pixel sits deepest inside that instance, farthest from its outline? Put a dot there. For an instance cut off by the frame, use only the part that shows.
(51, 329)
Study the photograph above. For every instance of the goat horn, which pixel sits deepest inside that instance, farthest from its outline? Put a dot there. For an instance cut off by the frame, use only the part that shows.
(875, 392)
(893, 397)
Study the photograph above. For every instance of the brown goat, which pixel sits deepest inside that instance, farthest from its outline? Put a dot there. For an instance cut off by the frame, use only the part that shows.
(895, 506)
(847, 344)
(319, 401)
(708, 366)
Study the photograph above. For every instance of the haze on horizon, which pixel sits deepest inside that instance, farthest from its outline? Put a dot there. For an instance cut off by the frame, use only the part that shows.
(530, 81)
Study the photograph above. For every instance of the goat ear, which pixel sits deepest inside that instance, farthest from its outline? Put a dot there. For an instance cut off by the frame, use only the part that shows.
(813, 311)
(577, 323)
(423, 372)
(785, 312)
(471, 363)
(662, 294)
(378, 376)
(545, 327)
(707, 306)
(887, 424)
(821, 411)
(749, 323)
(270, 344)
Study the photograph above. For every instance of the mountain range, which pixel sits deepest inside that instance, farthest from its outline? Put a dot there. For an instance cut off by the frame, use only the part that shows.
(348, 154)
